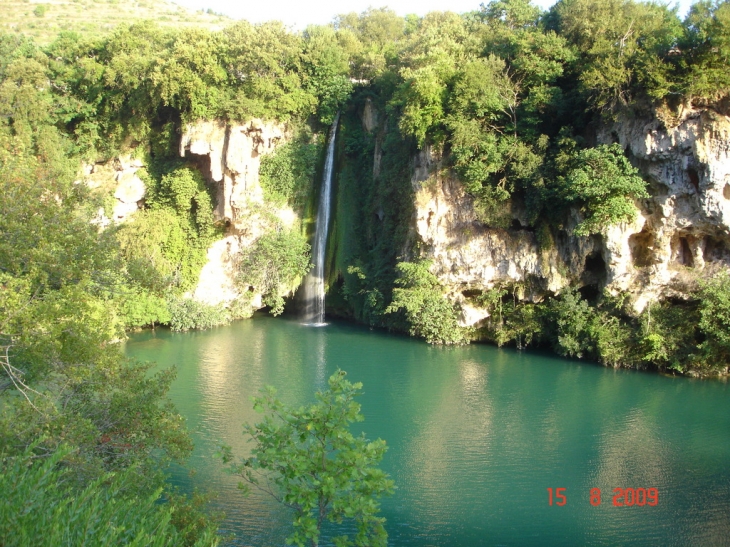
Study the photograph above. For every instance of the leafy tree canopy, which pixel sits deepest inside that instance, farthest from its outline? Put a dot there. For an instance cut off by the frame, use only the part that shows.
(309, 460)
(604, 184)
(429, 315)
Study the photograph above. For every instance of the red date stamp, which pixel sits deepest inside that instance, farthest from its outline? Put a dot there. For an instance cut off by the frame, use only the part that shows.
(559, 496)
(628, 497)
(622, 497)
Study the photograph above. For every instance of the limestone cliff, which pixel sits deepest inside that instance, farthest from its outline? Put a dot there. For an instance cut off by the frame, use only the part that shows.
(233, 154)
(681, 231)
(468, 256)
(119, 178)
(685, 226)
(229, 156)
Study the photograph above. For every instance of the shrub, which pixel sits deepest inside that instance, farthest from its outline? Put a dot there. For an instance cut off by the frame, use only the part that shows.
(141, 308)
(43, 505)
(158, 251)
(427, 311)
(309, 460)
(274, 264)
(714, 308)
(511, 321)
(570, 318)
(614, 340)
(287, 174)
(603, 183)
(187, 314)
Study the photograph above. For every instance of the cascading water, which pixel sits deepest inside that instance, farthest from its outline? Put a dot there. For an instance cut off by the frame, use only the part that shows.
(314, 282)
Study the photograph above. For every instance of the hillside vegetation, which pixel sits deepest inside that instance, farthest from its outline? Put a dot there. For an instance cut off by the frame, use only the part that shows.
(44, 19)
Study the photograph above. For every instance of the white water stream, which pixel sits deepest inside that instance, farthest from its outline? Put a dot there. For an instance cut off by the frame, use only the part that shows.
(314, 282)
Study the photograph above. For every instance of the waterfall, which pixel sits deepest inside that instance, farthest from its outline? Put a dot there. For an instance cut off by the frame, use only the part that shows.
(314, 282)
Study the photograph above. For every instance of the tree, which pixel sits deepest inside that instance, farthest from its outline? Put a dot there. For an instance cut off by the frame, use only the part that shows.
(64, 380)
(708, 41)
(714, 297)
(429, 314)
(604, 184)
(326, 66)
(624, 48)
(273, 265)
(308, 459)
(371, 38)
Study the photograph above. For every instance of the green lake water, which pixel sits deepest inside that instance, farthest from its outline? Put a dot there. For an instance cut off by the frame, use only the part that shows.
(476, 435)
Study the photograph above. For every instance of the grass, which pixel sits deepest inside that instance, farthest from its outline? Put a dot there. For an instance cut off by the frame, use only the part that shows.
(44, 19)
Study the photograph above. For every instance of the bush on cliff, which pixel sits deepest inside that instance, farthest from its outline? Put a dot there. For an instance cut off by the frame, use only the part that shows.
(429, 314)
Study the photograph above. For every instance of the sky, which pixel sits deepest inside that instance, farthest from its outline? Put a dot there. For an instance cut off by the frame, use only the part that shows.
(300, 13)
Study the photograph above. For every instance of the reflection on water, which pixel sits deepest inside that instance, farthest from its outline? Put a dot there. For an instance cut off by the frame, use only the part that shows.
(476, 435)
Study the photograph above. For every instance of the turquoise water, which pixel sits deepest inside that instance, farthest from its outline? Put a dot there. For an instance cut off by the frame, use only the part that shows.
(476, 435)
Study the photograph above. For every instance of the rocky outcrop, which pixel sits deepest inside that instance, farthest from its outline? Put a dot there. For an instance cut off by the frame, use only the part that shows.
(369, 116)
(469, 257)
(230, 157)
(118, 177)
(233, 156)
(683, 230)
(216, 283)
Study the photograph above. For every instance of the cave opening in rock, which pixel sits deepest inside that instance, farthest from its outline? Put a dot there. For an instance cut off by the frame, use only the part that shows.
(694, 179)
(517, 225)
(590, 293)
(593, 277)
(202, 164)
(714, 250)
(595, 265)
(684, 253)
(641, 246)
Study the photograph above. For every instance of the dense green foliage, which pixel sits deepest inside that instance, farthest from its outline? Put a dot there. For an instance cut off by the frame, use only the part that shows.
(510, 320)
(371, 226)
(82, 422)
(605, 184)
(429, 314)
(187, 314)
(685, 337)
(42, 506)
(503, 90)
(164, 248)
(714, 309)
(287, 175)
(63, 378)
(274, 264)
(309, 460)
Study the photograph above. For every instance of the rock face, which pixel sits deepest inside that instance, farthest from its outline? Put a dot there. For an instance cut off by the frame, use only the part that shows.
(369, 116)
(230, 156)
(234, 155)
(468, 257)
(685, 226)
(682, 230)
(216, 283)
(119, 175)
(129, 194)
